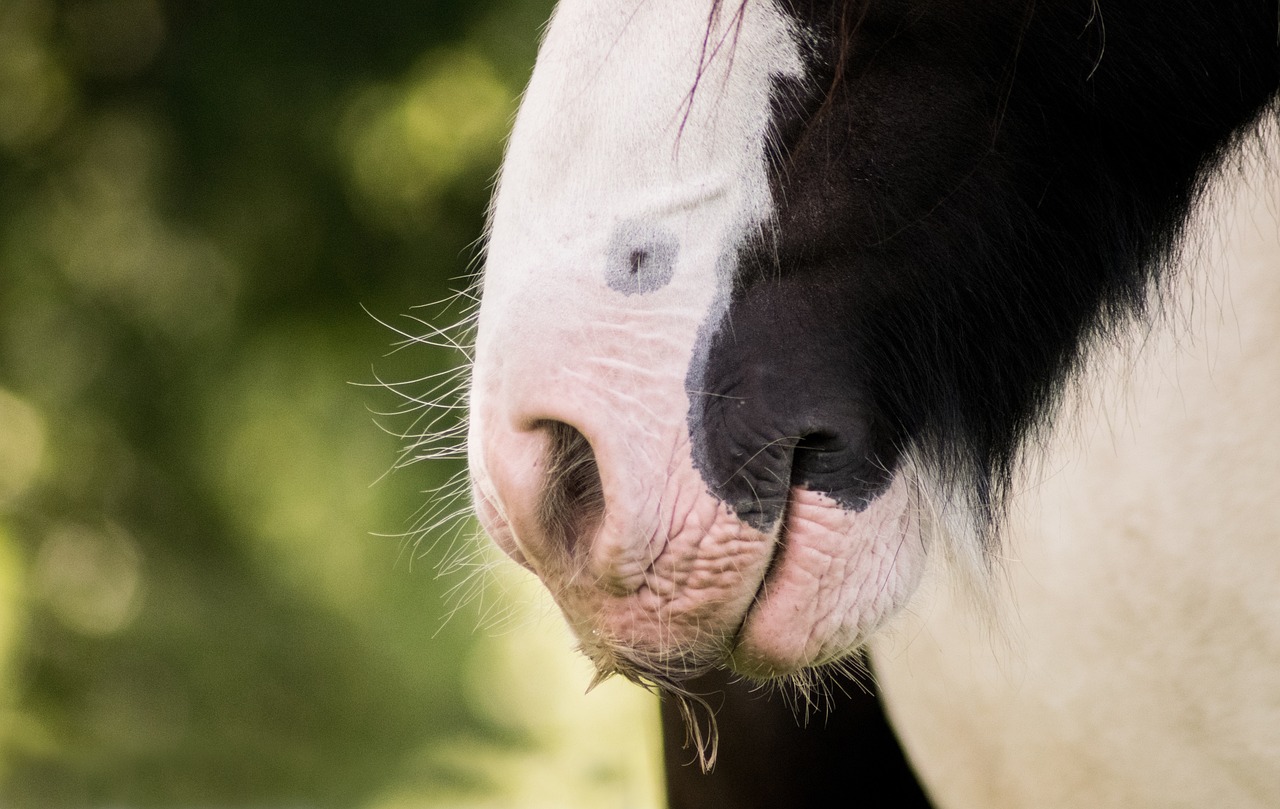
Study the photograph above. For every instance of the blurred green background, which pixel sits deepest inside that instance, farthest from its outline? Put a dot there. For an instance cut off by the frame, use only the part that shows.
(211, 592)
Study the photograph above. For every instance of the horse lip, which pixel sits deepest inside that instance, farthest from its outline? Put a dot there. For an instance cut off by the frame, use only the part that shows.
(686, 614)
(799, 617)
(718, 571)
(633, 624)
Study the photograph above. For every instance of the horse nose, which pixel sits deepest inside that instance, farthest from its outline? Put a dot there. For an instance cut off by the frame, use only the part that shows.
(552, 498)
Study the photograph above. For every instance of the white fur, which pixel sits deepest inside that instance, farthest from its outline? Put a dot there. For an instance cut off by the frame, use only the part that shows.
(1140, 662)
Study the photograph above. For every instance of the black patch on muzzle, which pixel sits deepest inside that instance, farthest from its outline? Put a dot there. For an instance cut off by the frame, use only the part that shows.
(768, 413)
(968, 195)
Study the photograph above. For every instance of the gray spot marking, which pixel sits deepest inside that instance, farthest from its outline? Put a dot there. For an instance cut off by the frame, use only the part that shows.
(641, 259)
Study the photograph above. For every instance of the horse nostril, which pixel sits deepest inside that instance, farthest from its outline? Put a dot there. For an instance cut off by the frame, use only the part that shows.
(813, 455)
(845, 468)
(571, 504)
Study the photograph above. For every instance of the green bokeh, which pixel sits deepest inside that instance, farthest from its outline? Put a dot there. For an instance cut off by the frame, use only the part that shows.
(215, 218)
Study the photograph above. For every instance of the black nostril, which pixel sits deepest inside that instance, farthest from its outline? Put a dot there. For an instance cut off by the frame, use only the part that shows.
(816, 454)
(828, 463)
(571, 504)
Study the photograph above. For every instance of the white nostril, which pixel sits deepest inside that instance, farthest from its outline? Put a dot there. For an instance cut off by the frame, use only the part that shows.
(538, 489)
(571, 504)
(558, 503)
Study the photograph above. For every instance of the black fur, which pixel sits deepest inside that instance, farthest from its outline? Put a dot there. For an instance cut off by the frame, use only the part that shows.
(969, 195)
(769, 761)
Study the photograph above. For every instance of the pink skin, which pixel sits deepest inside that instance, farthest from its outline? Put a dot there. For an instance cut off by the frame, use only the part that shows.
(669, 572)
(667, 567)
(822, 601)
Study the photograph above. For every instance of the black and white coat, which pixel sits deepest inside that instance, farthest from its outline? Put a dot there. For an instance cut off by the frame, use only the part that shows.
(918, 324)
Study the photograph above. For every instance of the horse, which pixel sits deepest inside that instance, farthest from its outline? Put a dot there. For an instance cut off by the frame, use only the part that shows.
(941, 332)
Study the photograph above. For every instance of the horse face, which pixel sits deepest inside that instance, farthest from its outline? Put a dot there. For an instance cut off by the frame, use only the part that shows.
(761, 275)
(667, 426)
